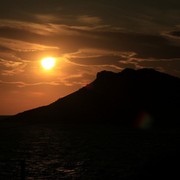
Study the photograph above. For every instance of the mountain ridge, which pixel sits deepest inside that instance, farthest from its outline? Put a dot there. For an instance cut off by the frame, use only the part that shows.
(119, 98)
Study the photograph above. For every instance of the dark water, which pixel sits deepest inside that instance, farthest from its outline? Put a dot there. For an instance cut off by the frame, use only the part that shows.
(85, 152)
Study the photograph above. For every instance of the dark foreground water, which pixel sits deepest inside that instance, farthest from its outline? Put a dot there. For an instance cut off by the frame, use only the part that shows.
(87, 152)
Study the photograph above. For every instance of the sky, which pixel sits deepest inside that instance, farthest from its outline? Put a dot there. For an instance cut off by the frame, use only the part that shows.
(85, 37)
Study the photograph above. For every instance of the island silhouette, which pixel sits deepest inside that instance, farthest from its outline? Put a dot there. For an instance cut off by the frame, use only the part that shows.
(143, 98)
(122, 125)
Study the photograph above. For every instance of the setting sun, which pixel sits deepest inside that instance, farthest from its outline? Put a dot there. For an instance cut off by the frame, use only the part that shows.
(48, 63)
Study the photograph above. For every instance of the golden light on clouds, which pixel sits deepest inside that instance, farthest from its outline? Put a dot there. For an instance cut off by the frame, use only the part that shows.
(48, 63)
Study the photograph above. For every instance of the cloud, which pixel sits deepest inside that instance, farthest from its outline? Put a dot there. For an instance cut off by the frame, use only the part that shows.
(86, 37)
(38, 28)
(101, 60)
(75, 79)
(91, 53)
(171, 66)
(97, 60)
(175, 33)
(47, 18)
(24, 84)
(11, 67)
(4, 49)
(12, 72)
(10, 64)
(89, 19)
(87, 48)
(10, 45)
(72, 38)
(173, 36)
(78, 78)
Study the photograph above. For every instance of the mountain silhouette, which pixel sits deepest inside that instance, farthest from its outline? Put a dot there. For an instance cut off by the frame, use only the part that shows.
(143, 98)
(120, 126)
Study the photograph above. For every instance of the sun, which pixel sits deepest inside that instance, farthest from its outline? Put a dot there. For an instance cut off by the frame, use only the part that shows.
(48, 63)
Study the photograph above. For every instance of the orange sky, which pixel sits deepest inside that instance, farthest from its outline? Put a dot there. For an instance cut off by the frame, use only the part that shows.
(85, 37)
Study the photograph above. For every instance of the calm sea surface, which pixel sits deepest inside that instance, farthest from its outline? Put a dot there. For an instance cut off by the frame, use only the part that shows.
(80, 152)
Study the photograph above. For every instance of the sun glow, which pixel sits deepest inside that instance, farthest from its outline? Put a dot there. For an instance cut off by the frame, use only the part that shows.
(48, 63)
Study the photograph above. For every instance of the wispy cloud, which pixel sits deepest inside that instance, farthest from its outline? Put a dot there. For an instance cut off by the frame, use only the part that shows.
(171, 66)
(10, 64)
(47, 18)
(85, 37)
(24, 84)
(89, 19)
(22, 46)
